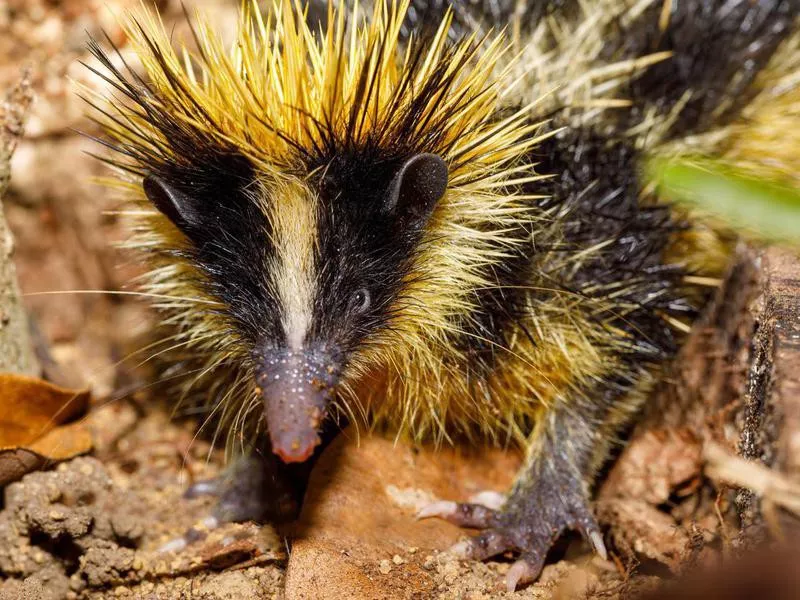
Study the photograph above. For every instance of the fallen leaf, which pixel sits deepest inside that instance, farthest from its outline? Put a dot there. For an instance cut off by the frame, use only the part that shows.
(38, 424)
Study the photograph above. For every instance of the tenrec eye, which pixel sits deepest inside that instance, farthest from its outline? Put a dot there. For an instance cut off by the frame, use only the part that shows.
(361, 301)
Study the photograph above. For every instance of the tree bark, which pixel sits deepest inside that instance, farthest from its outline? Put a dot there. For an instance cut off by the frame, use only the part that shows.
(16, 351)
(770, 415)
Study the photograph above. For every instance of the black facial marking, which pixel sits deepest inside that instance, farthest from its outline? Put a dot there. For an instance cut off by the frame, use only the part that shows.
(214, 203)
(372, 211)
(205, 187)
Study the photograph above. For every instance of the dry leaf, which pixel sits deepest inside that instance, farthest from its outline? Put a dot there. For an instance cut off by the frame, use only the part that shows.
(38, 424)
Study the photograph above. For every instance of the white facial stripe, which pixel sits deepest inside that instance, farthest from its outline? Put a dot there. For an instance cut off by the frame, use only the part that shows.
(294, 226)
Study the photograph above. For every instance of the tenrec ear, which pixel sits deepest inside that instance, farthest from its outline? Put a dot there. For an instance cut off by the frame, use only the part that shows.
(178, 206)
(418, 186)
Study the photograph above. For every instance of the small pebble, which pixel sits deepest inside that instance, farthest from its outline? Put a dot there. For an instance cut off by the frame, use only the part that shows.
(397, 559)
(385, 567)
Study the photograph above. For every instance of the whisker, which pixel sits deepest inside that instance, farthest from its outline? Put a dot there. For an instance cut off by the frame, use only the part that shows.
(123, 293)
(104, 369)
(186, 342)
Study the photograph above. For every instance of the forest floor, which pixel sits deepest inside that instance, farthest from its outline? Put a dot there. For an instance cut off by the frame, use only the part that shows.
(92, 527)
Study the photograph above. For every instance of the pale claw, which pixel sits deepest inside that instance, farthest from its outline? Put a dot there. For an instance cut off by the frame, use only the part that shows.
(195, 533)
(467, 514)
(442, 509)
(460, 549)
(596, 539)
(521, 572)
(489, 498)
(174, 545)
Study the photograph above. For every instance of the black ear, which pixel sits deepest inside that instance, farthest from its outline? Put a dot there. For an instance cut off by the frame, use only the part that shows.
(178, 206)
(418, 186)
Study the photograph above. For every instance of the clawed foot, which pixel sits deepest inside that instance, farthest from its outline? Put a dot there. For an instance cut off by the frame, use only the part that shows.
(528, 523)
(254, 488)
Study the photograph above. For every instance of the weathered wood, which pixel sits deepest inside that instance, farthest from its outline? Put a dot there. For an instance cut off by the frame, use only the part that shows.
(770, 416)
(16, 351)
